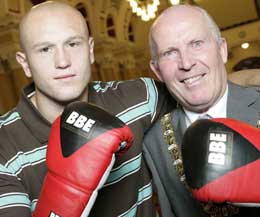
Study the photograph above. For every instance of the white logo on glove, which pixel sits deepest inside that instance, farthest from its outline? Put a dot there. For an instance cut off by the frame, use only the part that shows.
(80, 121)
(52, 214)
(217, 148)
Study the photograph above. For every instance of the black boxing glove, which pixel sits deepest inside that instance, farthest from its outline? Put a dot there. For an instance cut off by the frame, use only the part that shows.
(221, 159)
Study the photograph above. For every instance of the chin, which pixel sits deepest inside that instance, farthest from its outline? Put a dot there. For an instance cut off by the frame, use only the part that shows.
(66, 99)
(198, 106)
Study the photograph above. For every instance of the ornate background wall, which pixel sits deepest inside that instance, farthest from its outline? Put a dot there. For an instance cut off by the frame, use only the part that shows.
(121, 45)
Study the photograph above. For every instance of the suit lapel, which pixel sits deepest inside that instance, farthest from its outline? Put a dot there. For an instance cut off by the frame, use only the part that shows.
(179, 125)
(240, 104)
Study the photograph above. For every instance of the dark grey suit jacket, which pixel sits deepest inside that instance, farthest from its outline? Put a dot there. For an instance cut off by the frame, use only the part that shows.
(175, 201)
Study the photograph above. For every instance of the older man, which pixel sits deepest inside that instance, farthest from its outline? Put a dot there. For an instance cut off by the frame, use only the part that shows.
(189, 55)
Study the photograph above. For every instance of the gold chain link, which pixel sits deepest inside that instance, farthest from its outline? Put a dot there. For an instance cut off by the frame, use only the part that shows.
(258, 121)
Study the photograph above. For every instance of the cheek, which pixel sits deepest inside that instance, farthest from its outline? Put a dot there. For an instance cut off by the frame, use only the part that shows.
(41, 67)
(80, 59)
(203, 56)
(39, 70)
(80, 52)
(214, 60)
(168, 70)
(82, 67)
(42, 62)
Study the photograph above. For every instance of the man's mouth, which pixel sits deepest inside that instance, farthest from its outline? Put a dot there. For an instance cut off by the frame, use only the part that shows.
(192, 79)
(64, 76)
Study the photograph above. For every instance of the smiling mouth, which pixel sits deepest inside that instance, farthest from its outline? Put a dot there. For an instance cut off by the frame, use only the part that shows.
(192, 79)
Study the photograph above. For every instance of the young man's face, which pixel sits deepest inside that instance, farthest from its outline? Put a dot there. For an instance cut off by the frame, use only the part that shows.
(190, 59)
(58, 54)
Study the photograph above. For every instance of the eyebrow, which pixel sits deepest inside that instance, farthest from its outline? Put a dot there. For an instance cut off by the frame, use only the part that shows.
(41, 44)
(75, 38)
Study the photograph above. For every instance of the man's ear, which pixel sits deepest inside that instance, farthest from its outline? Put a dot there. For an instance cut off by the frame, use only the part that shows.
(22, 60)
(223, 49)
(155, 68)
(91, 50)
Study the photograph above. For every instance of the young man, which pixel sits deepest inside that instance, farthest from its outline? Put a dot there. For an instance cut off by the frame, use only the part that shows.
(189, 55)
(56, 53)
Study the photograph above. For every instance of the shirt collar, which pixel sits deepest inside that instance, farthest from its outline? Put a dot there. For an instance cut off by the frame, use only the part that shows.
(219, 110)
(31, 117)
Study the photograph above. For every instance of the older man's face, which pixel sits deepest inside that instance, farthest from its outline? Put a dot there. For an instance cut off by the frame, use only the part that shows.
(190, 59)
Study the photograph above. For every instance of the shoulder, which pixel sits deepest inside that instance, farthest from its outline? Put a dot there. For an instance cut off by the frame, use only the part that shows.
(7, 138)
(142, 92)
(249, 97)
(154, 131)
(10, 129)
(10, 117)
(154, 136)
(251, 92)
(143, 83)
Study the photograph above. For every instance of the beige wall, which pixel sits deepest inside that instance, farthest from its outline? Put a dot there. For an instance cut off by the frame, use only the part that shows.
(236, 36)
(116, 58)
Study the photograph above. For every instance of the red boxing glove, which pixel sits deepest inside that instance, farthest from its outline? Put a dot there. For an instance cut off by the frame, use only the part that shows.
(80, 155)
(221, 159)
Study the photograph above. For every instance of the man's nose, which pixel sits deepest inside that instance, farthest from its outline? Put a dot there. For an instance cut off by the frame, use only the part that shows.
(62, 58)
(186, 61)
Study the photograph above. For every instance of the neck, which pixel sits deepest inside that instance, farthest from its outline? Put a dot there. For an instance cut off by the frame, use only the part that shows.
(50, 112)
(49, 108)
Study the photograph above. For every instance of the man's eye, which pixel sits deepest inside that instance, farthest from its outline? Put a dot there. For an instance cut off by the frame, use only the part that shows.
(197, 44)
(74, 44)
(168, 53)
(45, 49)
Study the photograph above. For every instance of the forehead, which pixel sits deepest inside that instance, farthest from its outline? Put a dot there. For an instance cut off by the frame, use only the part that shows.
(48, 27)
(180, 27)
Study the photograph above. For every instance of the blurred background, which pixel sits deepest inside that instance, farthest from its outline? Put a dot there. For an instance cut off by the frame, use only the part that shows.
(120, 30)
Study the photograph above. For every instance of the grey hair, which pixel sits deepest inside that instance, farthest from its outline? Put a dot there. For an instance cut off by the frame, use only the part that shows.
(211, 24)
